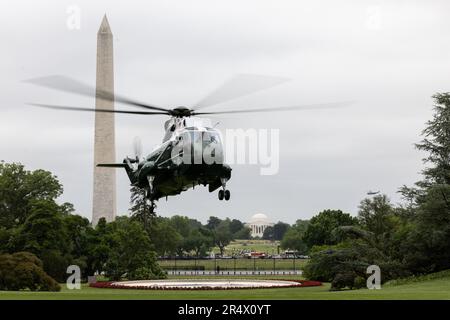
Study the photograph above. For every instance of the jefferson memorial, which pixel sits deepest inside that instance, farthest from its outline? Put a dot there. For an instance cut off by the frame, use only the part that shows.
(258, 223)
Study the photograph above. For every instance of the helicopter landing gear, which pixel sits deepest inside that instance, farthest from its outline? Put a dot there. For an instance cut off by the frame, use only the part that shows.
(149, 191)
(152, 206)
(224, 193)
(150, 184)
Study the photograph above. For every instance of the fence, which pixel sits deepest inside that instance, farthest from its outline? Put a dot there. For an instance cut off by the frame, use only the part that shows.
(232, 266)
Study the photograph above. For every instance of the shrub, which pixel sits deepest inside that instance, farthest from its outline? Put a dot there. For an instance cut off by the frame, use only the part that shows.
(360, 282)
(145, 273)
(23, 270)
(343, 280)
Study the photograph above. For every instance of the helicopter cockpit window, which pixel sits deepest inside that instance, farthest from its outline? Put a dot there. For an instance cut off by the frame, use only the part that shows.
(179, 140)
(198, 137)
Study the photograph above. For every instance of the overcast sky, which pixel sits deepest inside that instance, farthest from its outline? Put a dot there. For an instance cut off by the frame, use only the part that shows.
(388, 56)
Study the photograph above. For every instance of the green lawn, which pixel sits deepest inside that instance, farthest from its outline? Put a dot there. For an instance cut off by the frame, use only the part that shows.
(266, 246)
(429, 289)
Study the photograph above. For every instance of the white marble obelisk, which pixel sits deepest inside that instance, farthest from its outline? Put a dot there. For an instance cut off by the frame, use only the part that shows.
(104, 200)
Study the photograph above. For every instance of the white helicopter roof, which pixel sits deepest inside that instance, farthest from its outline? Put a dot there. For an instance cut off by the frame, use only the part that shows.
(198, 122)
(174, 125)
(189, 122)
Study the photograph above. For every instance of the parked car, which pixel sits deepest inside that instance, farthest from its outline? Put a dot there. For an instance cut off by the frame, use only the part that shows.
(255, 255)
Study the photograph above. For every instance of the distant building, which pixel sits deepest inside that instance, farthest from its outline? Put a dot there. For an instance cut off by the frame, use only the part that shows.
(258, 223)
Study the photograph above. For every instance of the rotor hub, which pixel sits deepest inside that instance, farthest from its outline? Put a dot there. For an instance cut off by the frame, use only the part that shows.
(180, 112)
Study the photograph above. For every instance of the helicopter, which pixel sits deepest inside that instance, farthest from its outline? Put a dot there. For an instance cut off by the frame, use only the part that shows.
(178, 163)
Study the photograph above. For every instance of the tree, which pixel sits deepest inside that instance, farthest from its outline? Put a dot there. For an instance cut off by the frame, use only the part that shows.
(164, 237)
(43, 229)
(279, 229)
(19, 188)
(428, 240)
(200, 241)
(436, 143)
(236, 226)
(239, 230)
(184, 225)
(97, 247)
(414, 238)
(6, 235)
(44, 234)
(243, 234)
(275, 232)
(213, 223)
(428, 246)
(375, 215)
(321, 227)
(293, 238)
(77, 229)
(268, 234)
(140, 209)
(130, 251)
(222, 235)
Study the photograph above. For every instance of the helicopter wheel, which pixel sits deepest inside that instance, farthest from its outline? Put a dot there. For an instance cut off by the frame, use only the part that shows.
(152, 207)
(221, 194)
(227, 195)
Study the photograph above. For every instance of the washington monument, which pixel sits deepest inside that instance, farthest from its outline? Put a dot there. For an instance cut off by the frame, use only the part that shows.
(104, 199)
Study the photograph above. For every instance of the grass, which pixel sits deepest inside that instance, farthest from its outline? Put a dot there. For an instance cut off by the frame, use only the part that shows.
(237, 246)
(413, 279)
(435, 288)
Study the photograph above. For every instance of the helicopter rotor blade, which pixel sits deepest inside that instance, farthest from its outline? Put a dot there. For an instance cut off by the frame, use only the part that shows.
(59, 107)
(290, 108)
(66, 84)
(239, 86)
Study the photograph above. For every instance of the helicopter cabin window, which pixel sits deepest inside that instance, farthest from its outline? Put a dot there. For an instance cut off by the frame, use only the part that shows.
(211, 137)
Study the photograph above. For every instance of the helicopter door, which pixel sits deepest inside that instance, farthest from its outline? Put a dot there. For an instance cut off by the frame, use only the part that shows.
(212, 148)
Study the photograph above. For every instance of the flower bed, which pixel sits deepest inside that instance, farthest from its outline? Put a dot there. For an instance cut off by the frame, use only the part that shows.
(264, 284)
